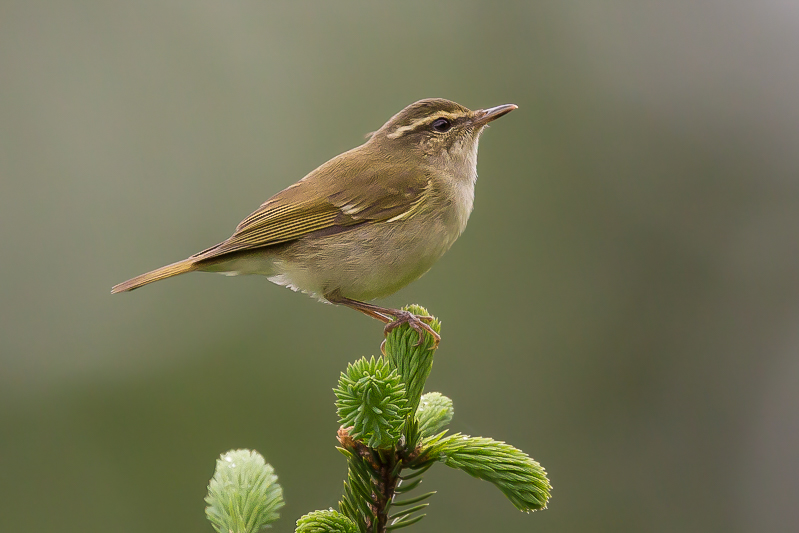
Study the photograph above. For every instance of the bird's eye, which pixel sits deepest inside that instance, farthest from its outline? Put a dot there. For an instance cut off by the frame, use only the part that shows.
(441, 125)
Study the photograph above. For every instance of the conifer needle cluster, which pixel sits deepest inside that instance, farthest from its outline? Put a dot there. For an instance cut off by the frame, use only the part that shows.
(390, 434)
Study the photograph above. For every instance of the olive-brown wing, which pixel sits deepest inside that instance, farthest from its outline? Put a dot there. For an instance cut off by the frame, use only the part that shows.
(312, 204)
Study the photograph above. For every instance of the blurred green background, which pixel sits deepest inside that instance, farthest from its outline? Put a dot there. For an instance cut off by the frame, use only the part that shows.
(624, 305)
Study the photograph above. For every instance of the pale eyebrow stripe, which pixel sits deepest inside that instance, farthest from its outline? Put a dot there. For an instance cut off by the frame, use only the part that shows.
(402, 130)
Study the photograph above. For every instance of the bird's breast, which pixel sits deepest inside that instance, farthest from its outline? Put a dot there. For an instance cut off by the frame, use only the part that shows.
(371, 261)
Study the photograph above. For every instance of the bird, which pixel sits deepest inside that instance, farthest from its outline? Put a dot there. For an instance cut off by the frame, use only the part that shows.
(365, 223)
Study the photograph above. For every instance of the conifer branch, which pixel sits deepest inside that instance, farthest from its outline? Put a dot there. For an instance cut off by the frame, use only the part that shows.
(391, 435)
(243, 496)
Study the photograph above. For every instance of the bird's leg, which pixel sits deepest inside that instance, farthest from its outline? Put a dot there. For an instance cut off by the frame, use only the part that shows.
(386, 314)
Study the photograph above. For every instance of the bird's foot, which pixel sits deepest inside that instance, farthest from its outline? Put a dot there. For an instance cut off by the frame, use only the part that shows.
(418, 323)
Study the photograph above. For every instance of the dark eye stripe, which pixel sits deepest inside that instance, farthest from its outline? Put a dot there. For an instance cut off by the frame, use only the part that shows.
(439, 125)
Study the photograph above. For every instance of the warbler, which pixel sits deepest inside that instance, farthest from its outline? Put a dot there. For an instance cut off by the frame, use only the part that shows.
(367, 222)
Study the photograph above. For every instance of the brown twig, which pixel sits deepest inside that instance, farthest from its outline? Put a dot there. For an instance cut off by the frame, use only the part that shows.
(387, 465)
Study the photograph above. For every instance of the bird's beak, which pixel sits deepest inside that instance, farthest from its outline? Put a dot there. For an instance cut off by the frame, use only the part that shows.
(484, 116)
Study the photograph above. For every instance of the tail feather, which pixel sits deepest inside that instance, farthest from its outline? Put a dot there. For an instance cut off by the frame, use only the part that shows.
(181, 267)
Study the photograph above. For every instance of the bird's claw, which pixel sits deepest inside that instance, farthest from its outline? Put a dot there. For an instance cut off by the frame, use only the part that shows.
(418, 323)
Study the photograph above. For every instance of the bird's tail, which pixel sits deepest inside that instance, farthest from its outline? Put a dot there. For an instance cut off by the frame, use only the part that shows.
(181, 267)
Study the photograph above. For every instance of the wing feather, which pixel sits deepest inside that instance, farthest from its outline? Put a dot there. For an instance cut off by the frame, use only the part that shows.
(311, 205)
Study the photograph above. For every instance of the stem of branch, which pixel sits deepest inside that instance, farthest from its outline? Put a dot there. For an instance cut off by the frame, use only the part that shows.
(386, 466)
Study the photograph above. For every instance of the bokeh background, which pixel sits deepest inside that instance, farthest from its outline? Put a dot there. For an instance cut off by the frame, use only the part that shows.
(624, 304)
